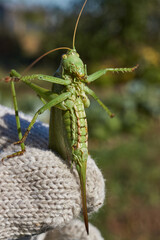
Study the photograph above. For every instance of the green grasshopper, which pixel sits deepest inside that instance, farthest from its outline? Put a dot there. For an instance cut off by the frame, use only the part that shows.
(68, 131)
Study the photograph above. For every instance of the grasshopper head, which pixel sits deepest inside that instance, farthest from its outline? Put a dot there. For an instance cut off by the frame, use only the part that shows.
(73, 66)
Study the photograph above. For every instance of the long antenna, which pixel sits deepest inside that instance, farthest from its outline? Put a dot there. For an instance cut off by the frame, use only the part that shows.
(42, 56)
(75, 29)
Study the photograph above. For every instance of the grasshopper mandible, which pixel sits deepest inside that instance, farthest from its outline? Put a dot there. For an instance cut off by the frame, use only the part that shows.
(68, 133)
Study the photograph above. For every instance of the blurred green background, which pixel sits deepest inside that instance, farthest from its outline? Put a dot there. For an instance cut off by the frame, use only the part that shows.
(111, 33)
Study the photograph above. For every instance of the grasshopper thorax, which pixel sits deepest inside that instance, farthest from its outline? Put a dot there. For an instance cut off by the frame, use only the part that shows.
(73, 66)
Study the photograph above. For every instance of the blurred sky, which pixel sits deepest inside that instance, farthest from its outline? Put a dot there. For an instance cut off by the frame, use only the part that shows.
(64, 4)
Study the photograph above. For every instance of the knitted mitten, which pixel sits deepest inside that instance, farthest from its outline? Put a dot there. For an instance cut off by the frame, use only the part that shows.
(74, 230)
(38, 190)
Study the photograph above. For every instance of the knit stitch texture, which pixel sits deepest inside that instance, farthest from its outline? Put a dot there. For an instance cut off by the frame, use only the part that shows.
(39, 191)
(74, 230)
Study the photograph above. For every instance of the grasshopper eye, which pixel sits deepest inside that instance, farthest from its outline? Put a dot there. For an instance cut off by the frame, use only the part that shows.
(64, 56)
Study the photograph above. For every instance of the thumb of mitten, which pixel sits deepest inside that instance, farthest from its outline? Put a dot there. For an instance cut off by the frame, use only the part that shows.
(74, 230)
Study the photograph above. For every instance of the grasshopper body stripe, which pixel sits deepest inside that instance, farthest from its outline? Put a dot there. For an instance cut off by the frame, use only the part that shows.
(72, 140)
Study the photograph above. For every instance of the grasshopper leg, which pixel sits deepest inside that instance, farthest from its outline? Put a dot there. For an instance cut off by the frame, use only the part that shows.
(100, 73)
(18, 125)
(48, 105)
(19, 153)
(91, 93)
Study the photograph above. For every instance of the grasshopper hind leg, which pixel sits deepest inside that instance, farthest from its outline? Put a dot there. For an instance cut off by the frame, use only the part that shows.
(21, 152)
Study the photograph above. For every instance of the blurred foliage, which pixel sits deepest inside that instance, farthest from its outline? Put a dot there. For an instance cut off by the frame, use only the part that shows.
(135, 104)
(111, 33)
(131, 166)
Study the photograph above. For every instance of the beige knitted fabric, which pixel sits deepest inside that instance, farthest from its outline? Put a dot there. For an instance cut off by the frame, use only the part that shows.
(74, 230)
(39, 191)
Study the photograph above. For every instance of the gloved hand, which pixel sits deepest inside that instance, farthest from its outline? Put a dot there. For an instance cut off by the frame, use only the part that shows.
(39, 190)
(74, 230)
